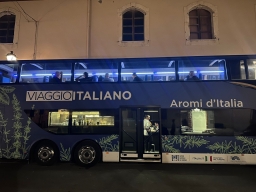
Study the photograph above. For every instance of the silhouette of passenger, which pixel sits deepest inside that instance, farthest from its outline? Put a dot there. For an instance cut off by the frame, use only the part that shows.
(147, 133)
(184, 122)
(100, 78)
(107, 78)
(57, 77)
(191, 77)
(136, 78)
(94, 78)
(173, 127)
(84, 78)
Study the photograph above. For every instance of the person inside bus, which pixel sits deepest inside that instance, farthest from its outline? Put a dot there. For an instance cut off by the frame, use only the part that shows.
(107, 78)
(136, 78)
(154, 136)
(57, 77)
(147, 132)
(100, 79)
(84, 78)
(94, 78)
(191, 77)
(173, 127)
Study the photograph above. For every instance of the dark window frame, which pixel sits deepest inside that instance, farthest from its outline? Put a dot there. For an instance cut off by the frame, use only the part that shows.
(133, 26)
(8, 19)
(220, 128)
(199, 24)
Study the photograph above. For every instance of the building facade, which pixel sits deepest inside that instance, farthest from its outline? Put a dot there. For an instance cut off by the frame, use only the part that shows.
(65, 29)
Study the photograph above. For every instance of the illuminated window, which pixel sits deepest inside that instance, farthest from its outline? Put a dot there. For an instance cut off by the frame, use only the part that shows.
(96, 71)
(190, 70)
(243, 69)
(44, 72)
(251, 68)
(55, 121)
(237, 69)
(63, 121)
(148, 71)
(58, 118)
(8, 73)
(94, 122)
(91, 118)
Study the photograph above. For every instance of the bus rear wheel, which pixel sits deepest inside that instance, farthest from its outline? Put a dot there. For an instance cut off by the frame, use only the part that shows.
(87, 153)
(46, 153)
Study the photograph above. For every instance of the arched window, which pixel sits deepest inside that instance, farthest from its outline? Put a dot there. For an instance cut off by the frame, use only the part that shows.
(7, 25)
(200, 24)
(133, 26)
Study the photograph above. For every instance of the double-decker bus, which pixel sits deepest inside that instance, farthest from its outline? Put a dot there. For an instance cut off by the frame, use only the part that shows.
(163, 110)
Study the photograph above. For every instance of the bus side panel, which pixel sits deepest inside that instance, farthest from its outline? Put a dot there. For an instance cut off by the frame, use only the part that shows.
(109, 145)
(209, 149)
(19, 134)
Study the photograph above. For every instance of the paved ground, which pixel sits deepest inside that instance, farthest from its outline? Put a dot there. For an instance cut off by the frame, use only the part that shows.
(67, 177)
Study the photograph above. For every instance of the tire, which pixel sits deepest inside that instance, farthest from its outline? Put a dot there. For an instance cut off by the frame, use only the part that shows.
(87, 153)
(46, 153)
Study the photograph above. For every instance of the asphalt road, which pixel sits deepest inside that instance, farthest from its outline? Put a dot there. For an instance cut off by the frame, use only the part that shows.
(67, 177)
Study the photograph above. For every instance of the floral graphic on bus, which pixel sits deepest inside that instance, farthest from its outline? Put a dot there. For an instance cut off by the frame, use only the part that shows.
(167, 147)
(223, 147)
(205, 144)
(247, 146)
(65, 154)
(15, 146)
(4, 132)
(170, 143)
(109, 143)
(17, 126)
(4, 98)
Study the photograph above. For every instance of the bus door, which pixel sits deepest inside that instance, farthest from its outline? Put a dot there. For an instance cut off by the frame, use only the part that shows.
(140, 131)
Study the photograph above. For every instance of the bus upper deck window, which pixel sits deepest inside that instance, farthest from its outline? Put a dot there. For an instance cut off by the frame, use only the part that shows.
(8, 73)
(205, 69)
(237, 69)
(45, 72)
(148, 70)
(96, 71)
(251, 68)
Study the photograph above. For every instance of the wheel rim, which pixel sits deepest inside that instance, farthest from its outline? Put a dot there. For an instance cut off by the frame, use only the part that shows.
(45, 154)
(86, 154)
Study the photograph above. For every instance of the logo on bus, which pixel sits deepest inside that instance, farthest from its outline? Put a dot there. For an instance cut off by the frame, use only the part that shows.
(77, 95)
(197, 158)
(215, 158)
(179, 158)
(237, 158)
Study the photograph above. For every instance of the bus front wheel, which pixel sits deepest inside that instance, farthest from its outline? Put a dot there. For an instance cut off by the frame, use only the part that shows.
(87, 153)
(46, 153)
